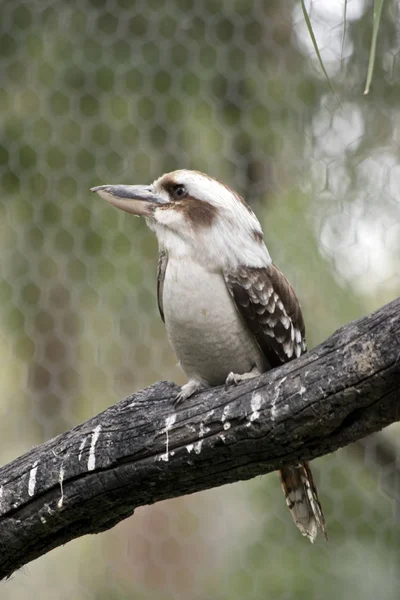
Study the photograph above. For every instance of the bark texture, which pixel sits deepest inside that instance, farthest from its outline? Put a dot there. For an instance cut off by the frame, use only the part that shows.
(144, 449)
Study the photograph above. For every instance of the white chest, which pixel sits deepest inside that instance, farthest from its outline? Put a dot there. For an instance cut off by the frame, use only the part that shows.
(203, 325)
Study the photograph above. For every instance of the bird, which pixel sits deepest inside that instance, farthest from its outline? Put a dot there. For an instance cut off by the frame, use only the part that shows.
(230, 313)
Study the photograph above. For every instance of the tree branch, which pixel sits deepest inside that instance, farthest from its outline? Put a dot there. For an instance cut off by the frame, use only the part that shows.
(143, 449)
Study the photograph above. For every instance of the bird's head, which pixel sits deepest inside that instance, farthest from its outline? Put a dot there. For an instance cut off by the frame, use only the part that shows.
(192, 212)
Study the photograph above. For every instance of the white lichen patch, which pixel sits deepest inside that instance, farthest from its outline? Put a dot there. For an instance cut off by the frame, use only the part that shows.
(189, 448)
(225, 413)
(203, 430)
(43, 520)
(32, 479)
(255, 403)
(91, 464)
(197, 446)
(60, 481)
(227, 425)
(169, 421)
(81, 447)
(275, 398)
(302, 390)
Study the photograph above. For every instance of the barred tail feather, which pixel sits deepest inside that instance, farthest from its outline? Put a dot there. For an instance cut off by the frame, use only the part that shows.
(302, 500)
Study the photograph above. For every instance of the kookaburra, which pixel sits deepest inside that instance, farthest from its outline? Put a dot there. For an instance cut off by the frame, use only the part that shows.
(230, 314)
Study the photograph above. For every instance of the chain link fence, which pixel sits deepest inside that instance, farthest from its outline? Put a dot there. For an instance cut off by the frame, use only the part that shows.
(120, 91)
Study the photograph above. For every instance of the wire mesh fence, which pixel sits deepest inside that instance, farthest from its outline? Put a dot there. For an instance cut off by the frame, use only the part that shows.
(106, 91)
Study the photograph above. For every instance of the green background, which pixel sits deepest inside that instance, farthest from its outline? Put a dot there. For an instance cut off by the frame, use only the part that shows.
(120, 91)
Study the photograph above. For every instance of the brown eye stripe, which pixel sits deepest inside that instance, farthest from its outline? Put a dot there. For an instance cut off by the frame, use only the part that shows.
(169, 185)
(197, 212)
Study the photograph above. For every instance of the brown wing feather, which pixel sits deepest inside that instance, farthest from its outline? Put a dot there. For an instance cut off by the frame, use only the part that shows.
(161, 268)
(270, 308)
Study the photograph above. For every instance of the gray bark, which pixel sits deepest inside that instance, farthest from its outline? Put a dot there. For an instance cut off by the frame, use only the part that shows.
(144, 449)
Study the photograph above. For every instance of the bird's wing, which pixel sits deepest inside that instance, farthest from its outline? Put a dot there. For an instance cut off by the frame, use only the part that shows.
(161, 268)
(270, 309)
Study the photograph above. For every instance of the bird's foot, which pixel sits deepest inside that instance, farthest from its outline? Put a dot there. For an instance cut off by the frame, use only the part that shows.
(236, 378)
(187, 390)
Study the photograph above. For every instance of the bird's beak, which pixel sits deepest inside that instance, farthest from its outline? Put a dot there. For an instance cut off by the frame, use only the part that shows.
(138, 200)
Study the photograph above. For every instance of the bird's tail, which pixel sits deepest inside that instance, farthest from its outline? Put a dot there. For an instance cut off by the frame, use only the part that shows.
(302, 499)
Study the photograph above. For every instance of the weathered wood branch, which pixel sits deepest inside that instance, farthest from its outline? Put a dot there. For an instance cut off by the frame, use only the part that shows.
(143, 449)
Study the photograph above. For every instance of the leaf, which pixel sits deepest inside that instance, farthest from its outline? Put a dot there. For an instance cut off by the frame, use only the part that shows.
(344, 28)
(378, 4)
(314, 41)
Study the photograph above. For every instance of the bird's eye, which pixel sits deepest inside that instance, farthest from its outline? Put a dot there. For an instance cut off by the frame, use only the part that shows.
(180, 191)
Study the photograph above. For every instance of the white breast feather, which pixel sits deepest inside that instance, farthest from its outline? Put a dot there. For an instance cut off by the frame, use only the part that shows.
(203, 325)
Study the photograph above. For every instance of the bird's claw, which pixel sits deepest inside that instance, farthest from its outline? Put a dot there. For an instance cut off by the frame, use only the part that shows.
(187, 390)
(178, 399)
(232, 379)
(236, 378)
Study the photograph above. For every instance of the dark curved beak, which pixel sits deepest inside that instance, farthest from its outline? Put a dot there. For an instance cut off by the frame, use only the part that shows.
(138, 200)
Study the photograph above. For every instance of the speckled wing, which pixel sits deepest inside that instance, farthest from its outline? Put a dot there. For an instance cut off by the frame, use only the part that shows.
(270, 309)
(161, 268)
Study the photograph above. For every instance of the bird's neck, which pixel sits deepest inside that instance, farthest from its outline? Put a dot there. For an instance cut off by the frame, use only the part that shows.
(214, 248)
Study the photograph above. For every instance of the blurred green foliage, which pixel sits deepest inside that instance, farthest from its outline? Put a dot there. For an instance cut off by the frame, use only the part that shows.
(108, 91)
